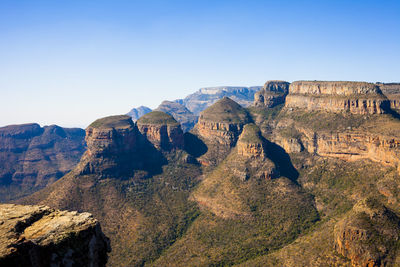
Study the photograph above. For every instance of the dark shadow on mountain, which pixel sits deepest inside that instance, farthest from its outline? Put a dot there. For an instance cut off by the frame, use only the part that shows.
(193, 145)
(148, 157)
(282, 160)
(392, 112)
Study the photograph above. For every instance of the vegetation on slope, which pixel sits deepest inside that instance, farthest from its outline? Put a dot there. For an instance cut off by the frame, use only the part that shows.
(118, 121)
(157, 118)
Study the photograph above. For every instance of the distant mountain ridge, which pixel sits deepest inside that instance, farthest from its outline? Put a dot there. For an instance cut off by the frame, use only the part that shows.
(136, 113)
(205, 97)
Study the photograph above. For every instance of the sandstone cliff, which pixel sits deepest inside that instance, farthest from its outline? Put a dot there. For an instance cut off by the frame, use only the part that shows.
(41, 236)
(353, 97)
(162, 130)
(32, 157)
(367, 236)
(392, 91)
(219, 126)
(272, 94)
(111, 144)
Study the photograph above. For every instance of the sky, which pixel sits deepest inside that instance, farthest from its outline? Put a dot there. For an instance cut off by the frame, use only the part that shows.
(70, 62)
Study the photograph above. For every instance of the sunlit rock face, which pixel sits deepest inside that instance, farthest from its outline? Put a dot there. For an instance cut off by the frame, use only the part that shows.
(353, 97)
(219, 126)
(367, 234)
(111, 145)
(392, 91)
(162, 130)
(272, 94)
(41, 236)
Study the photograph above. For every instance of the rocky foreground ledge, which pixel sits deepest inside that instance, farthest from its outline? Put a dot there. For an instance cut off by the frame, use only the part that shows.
(41, 236)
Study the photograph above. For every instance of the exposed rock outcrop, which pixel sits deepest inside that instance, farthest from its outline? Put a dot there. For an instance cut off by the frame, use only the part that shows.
(180, 113)
(136, 113)
(162, 130)
(205, 97)
(272, 94)
(41, 236)
(392, 91)
(353, 97)
(219, 126)
(367, 236)
(31, 157)
(111, 145)
(250, 144)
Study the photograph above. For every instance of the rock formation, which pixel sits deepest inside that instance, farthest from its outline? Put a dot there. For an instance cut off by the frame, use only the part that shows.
(136, 113)
(353, 97)
(41, 236)
(272, 94)
(32, 157)
(162, 130)
(392, 91)
(220, 126)
(180, 113)
(250, 144)
(111, 145)
(205, 97)
(367, 235)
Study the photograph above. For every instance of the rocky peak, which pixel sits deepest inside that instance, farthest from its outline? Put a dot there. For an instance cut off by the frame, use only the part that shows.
(367, 234)
(136, 113)
(272, 94)
(219, 126)
(354, 97)
(250, 143)
(41, 236)
(111, 141)
(162, 130)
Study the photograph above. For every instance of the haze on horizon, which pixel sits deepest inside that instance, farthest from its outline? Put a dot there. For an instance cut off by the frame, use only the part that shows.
(71, 62)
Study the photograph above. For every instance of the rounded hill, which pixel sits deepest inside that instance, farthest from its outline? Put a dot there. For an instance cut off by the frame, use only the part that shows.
(157, 118)
(225, 110)
(117, 121)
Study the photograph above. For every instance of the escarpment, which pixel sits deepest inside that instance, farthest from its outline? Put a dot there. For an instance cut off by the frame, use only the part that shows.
(272, 94)
(392, 91)
(219, 126)
(32, 157)
(353, 97)
(41, 236)
(162, 130)
(368, 234)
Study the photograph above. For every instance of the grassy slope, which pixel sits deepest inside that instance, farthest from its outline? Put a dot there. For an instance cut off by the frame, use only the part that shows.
(142, 217)
(253, 217)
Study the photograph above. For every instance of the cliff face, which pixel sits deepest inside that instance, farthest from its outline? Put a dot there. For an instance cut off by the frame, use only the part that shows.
(353, 97)
(180, 113)
(272, 94)
(392, 91)
(219, 127)
(32, 157)
(111, 143)
(347, 145)
(162, 130)
(368, 234)
(41, 236)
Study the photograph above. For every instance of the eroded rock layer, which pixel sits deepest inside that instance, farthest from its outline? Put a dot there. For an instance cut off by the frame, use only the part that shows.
(41, 236)
(162, 130)
(353, 97)
(368, 234)
(272, 94)
(220, 126)
(392, 91)
(111, 143)
(32, 157)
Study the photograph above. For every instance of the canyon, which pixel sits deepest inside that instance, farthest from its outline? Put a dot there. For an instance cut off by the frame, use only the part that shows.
(308, 175)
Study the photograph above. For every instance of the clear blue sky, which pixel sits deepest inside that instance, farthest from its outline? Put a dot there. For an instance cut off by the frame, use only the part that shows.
(70, 62)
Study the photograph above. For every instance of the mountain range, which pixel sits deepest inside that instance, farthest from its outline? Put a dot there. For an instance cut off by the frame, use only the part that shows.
(307, 175)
